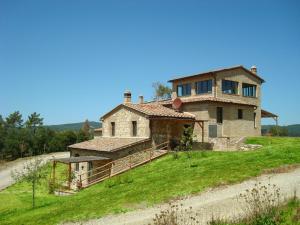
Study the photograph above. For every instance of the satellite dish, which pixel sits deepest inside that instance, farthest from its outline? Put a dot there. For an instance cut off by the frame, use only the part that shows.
(177, 103)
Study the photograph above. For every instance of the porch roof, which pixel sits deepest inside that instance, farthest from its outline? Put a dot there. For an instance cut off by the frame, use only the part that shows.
(208, 99)
(108, 144)
(266, 114)
(80, 159)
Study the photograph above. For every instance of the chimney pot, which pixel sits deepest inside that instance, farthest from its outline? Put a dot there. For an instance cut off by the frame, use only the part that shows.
(127, 97)
(253, 69)
(141, 99)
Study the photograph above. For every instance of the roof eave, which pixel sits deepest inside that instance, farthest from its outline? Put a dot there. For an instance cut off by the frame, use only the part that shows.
(217, 71)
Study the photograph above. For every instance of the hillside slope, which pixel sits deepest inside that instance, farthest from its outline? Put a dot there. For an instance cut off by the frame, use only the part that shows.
(161, 180)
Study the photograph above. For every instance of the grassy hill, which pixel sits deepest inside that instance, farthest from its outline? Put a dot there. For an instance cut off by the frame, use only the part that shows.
(73, 126)
(293, 130)
(161, 180)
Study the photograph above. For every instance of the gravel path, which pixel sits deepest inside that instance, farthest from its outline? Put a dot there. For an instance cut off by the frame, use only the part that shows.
(6, 168)
(219, 202)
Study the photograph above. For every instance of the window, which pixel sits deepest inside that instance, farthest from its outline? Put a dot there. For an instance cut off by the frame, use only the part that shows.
(90, 169)
(184, 89)
(204, 86)
(254, 120)
(240, 114)
(249, 90)
(113, 129)
(219, 115)
(134, 128)
(77, 167)
(77, 164)
(230, 87)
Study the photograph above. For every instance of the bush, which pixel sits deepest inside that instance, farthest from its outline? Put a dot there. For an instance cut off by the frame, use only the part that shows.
(174, 215)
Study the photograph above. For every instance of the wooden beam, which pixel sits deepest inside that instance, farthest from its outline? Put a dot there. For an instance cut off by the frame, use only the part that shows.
(203, 132)
(201, 124)
(53, 171)
(69, 179)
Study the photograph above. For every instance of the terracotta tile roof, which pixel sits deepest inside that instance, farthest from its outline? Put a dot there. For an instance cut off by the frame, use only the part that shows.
(108, 144)
(218, 70)
(158, 110)
(207, 99)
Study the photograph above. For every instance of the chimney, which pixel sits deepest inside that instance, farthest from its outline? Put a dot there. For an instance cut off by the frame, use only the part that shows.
(253, 69)
(127, 97)
(141, 99)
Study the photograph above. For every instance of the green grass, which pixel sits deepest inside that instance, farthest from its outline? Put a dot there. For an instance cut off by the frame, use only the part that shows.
(156, 182)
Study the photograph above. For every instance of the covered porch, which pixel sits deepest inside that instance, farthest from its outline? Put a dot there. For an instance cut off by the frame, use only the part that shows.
(79, 170)
(266, 114)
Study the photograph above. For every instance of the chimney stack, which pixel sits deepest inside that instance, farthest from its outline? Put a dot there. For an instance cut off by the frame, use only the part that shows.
(253, 69)
(141, 99)
(127, 97)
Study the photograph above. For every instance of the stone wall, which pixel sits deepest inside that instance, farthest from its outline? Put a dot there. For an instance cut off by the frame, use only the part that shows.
(232, 126)
(164, 130)
(123, 118)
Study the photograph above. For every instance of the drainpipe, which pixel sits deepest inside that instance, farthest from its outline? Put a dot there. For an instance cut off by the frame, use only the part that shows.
(215, 84)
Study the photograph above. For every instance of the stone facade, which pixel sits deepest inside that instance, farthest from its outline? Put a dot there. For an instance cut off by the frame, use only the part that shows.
(231, 126)
(167, 130)
(123, 118)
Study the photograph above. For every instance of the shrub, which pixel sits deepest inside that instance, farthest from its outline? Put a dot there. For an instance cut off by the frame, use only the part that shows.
(174, 215)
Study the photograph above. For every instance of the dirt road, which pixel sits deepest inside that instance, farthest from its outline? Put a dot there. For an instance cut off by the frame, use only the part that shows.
(220, 202)
(6, 168)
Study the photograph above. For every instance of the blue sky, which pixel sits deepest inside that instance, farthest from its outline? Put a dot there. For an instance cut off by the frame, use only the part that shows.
(72, 60)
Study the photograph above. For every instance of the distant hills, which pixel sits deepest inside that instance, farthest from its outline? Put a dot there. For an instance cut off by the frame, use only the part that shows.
(293, 130)
(73, 126)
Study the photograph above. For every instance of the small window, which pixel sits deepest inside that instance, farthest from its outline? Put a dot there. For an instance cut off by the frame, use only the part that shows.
(230, 87)
(113, 129)
(184, 89)
(240, 114)
(249, 90)
(219, 115)
(90, 169)
(203, 87)
(134, 128)
(254, 120)
(77, 164)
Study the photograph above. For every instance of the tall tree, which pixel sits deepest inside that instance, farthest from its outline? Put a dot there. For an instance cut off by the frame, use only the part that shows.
(34, 120)
(14, 119)
(86, 128)
(161, 91)
(2, 137)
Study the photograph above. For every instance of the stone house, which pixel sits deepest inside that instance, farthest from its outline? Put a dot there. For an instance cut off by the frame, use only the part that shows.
(223, 106)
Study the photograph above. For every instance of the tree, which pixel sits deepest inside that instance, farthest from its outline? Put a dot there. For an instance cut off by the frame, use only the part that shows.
(34, 120)
(14, 119)
(2, 136)
(31, 173)
(84, 133)
(278, 131)
(86, 128)
(32, 124)
(161, 91)
(186, 140)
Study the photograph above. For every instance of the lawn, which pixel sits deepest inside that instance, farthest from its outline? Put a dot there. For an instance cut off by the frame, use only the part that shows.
(156, 182)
